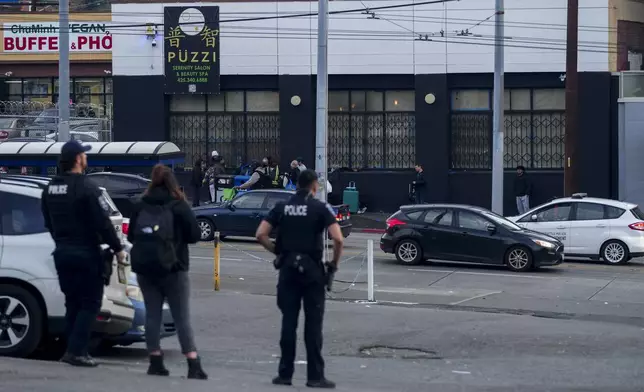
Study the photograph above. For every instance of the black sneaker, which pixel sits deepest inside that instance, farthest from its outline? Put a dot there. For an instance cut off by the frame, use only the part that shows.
(323, 384)
(195, 370)
(84, 361)
(282, 381)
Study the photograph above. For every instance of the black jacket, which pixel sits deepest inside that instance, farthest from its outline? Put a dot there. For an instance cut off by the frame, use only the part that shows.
(186, 230)
(522, 185)
(197, 174)
(420, 181)
(77, 214)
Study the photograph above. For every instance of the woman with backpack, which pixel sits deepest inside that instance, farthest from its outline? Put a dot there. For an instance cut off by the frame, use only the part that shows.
(161, 227)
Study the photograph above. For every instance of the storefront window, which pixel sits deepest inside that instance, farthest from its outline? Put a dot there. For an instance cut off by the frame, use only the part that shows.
(262, 101)
(108, 86)
(400, 101)
(89, 86)
(37, 86)
(338, 101)
(56, 86)
(15, 86)
(187, 103)
(234, 101)
(216, 103)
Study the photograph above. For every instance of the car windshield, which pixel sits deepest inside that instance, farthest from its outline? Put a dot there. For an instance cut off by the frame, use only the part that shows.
(6, 122)
(502, 221)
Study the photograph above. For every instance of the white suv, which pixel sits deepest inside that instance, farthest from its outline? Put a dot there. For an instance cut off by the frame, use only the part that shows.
(590, 227)
(32, 307)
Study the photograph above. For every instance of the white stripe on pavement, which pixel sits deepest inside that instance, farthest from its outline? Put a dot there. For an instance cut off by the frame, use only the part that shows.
(476, 297)
(481, 273)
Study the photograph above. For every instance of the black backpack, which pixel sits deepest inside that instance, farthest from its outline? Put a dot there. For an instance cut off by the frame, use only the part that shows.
(153, 252)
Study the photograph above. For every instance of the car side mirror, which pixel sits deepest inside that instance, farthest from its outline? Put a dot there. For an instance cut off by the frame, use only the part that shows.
(230, 206)
(534, 218)
(491, 229)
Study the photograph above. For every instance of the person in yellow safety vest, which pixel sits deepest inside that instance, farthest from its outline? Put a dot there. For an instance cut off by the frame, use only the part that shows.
(274, 173)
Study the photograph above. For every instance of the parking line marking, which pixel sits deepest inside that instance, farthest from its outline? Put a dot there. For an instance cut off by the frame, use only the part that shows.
(510, 275)
(432, 270)
(476, 297)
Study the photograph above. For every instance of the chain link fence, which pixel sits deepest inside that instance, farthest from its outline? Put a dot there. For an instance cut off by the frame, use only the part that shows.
(38, 121)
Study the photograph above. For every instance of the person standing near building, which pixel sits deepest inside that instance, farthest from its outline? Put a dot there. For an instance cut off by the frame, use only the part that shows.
(522, 190)
(419, 184)
(300, 164)
(302, 276)
(162, 226)
(76, 215)
(197, 181)
(216, 168)
(260, 179)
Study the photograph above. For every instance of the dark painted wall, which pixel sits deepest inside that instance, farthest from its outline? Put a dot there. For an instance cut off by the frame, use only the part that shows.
(594, 150)
(139, 109)
(141, 114)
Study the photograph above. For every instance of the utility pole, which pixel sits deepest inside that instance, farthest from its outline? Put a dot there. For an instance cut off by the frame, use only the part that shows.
(322, 97)
(498, 122)
(571, 167)
(322, 106)
(63, 71)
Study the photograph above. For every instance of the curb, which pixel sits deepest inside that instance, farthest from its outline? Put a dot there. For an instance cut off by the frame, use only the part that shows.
(376, 231)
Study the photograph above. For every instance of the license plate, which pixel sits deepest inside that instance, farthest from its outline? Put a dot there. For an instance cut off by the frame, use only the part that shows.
(120, 270)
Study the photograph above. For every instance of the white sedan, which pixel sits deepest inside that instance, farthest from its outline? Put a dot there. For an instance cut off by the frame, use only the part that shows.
(590, 227)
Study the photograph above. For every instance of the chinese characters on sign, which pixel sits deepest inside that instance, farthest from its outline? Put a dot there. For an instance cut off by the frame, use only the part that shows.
(191, 43)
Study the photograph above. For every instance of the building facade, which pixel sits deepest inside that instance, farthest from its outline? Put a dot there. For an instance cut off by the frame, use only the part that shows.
(407, 85)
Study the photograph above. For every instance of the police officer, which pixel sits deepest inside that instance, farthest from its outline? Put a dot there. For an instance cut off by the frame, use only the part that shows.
(302, 276)
(78, 220)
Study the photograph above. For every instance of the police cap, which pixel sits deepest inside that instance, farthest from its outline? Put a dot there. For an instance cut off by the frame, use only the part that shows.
(72, 149)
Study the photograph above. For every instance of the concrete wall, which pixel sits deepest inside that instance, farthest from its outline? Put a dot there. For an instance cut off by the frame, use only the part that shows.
(631, 146)
(385, 45)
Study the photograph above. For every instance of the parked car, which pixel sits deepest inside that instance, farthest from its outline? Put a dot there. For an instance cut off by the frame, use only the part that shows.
(241, 215)
(11, 127)
(32, 307)
(43, 126)
(125, 189)
(136, 334)
(462, 233)
(86, 137)
(590, 227)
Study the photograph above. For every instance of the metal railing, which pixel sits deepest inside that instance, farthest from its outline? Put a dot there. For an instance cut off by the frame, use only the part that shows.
(39, 121)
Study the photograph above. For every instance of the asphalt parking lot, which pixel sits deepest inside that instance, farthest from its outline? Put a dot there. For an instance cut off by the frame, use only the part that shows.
(436, 327)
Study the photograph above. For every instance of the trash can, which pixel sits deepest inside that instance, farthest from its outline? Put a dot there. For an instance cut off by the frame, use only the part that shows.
(223, 182)
(350, 196)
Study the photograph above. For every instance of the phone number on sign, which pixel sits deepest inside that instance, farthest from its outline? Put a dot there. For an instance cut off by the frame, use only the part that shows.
(50, 43)
(192, 80)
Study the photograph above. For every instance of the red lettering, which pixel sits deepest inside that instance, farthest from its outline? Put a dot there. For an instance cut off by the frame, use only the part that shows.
(81, 42)
(33, 41)
(8, 43)
(107, 42)
(94, 43)
(42, 43)
(53, 43)
(21, 43)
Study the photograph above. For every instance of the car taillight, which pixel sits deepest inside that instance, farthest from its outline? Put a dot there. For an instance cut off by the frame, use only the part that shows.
(393, 222)
(338, 217)
(4, 134)
(125, 227)
(639, 226)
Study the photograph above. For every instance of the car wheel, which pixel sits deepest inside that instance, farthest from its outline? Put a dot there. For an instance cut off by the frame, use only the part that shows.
(207, 229)
(21, 321)
(615, 252)
(409, 252)
(518, 259)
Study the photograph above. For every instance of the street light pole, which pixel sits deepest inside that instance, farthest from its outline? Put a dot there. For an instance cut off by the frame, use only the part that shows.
(63, 71)
(498, 122)
(322, 98)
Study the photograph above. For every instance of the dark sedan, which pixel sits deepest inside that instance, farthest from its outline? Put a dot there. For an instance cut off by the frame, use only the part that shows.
(466, 234)
(124, 189)
(241, 216)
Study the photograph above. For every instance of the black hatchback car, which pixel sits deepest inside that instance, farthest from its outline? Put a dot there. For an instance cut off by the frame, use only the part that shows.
(462, 233)
(241, 216)
(124, 189)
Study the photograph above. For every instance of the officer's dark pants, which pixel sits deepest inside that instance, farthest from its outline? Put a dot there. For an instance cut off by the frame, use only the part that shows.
(294, 288)
(420, 197)
(80, 278)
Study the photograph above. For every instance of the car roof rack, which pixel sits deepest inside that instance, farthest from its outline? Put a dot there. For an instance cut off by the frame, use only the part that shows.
(579, 195)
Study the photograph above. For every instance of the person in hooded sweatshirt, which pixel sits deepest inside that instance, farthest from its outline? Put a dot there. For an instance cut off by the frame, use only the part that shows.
(161, 227)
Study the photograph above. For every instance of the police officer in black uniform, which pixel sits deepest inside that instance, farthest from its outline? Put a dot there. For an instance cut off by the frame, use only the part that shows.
(302, 276)
(78, 220)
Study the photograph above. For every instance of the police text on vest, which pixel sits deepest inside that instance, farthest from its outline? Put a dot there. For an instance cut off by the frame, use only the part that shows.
(296, 210)
(58, 189)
